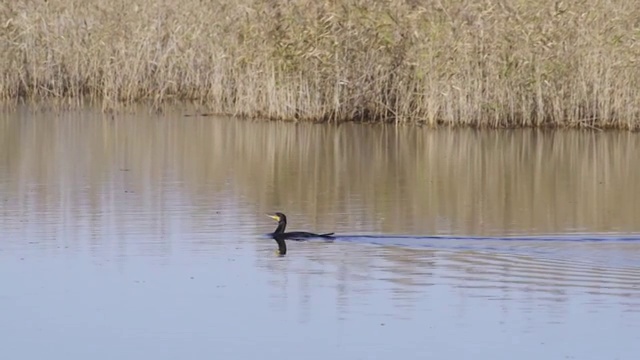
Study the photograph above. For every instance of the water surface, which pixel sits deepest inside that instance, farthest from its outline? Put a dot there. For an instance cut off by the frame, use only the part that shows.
(141, 235)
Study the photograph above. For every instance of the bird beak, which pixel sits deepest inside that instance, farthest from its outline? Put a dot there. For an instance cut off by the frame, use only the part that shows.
(274, 217)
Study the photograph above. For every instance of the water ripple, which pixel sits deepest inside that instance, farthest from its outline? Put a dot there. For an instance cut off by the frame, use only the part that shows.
(551, 265)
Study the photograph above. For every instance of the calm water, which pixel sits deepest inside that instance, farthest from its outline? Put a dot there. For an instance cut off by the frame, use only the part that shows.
(141, 236)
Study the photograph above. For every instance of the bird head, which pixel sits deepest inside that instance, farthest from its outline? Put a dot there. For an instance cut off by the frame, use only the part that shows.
(278, 217)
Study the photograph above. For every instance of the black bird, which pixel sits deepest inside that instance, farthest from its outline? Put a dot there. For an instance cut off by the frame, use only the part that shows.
(280, 236)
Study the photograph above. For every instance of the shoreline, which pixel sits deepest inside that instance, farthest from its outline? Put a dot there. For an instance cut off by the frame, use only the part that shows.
(188, 110)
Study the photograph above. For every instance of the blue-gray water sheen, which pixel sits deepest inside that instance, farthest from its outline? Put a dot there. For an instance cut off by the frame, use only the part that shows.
(139, 235)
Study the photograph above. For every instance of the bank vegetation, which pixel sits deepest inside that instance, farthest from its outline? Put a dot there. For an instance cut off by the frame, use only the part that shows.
(504, 63)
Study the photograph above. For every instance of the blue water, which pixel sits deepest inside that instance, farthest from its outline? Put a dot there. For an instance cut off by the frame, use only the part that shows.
(341, 299)
(169, 259)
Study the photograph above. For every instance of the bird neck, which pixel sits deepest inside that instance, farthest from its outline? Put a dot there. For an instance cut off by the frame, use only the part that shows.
(280, 228)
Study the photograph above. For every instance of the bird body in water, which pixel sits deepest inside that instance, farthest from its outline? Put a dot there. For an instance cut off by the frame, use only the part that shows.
(279, 235)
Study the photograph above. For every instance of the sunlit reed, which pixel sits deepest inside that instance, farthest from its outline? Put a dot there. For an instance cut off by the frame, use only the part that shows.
(458, 62)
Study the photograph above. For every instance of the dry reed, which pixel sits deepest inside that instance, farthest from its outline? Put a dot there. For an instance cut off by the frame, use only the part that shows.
(459, 62)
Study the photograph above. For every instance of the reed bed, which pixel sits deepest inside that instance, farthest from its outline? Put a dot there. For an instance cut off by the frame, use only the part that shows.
(499, 63)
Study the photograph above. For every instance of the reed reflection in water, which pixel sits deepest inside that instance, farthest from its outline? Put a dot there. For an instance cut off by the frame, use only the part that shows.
(171, 209)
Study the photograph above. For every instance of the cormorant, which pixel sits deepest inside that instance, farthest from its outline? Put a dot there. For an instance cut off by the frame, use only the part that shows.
(280, 236)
